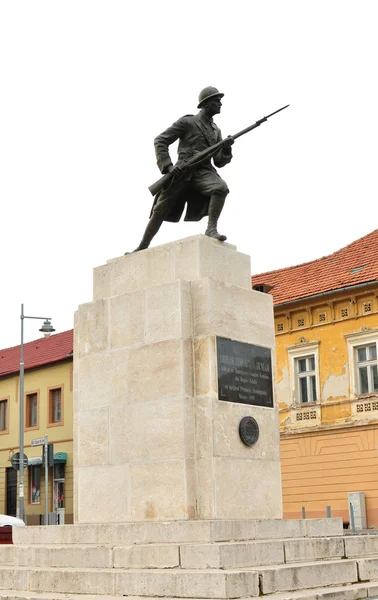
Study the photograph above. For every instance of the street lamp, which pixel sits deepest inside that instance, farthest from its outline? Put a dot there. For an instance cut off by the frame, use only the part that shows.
(46, 329)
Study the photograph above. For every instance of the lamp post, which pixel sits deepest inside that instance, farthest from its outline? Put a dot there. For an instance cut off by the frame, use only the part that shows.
(46, 329)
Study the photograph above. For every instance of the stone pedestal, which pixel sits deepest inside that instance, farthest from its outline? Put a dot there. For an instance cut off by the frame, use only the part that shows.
(152, 439)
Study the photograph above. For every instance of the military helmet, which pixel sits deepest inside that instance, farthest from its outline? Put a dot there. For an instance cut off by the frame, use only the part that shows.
(208, 92)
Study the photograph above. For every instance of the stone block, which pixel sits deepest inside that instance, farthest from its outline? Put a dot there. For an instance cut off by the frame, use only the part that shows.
(159, 370)
(102, 281)
(129, 273)
(361, 545)
(324, 527)
(368, 568)
(205, 366)
(235, 487)
(186, 259)
(127, 319)
(199, 256)
(158, 490)
(23, 556)
(205, 488)
(7, 556)
(148, 431)
(146, 557)
(372, 590)
(159, 265)
(187, 584)
(93, 437)
(279, 529)
(223, 264)
(347, 592)
(314, 549)
(309, 575)
(14, 579)
(204, 426)
(71, 581)
(231, 312)
(168, 311)
(231, 555)
(227, 442)
(232, 530)
(92, 327)
(102, 380)
(85, 557)
(97, 500)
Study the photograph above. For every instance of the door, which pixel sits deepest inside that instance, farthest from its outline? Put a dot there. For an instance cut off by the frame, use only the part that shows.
(11, 507)
(59, 498)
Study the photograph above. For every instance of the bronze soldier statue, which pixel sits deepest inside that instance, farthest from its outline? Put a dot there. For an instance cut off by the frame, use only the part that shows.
(200, 188)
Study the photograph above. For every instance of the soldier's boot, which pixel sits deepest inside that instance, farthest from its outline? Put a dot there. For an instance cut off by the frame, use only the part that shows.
(215, 208)
(152, 228)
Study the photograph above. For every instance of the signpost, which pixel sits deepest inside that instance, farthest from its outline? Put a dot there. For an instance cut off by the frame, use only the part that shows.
(16, 461)
(16, 464)
(43, 441)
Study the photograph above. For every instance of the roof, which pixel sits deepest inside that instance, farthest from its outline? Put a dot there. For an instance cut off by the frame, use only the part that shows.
(355, 264)
(38, 353)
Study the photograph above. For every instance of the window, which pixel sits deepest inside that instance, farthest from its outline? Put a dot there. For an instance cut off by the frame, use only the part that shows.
(363, 361)
(367, 369)
(304, 372)
(55, 405)
(306, 379)
(32, 410)
(34, 485)
(4, 415)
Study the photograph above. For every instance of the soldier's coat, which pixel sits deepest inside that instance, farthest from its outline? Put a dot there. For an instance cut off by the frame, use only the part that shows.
(196, 133)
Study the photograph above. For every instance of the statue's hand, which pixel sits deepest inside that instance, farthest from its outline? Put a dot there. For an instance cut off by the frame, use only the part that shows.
(227, 143)
(176, 170)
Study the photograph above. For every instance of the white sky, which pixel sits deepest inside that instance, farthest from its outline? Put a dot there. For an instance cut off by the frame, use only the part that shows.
(86, 85)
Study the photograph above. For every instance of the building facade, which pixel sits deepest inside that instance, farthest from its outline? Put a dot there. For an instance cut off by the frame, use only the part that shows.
(326, 325)
(48, 411)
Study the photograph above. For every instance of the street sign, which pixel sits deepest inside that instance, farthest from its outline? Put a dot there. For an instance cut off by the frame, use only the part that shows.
(15, 460)
(39, 441)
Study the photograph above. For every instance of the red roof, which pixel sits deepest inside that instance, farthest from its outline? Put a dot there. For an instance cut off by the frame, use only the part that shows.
(38, 353)
(355, 264)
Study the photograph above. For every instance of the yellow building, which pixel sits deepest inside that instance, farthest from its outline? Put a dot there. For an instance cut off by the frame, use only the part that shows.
(48, 411)
(326, 324)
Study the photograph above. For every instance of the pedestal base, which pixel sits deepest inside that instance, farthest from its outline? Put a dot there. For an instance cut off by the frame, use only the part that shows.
(152, 439)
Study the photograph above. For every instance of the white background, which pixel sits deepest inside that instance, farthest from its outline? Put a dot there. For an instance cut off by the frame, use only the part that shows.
(87, 85)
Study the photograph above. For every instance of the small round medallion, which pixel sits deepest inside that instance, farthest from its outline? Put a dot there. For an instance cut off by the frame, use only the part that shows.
(248, 431)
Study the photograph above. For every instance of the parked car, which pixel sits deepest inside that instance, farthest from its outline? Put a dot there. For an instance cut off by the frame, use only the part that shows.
(6, 521)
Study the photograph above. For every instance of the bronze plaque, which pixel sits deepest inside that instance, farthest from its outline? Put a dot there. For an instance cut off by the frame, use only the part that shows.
(249, 431)
(244, 373)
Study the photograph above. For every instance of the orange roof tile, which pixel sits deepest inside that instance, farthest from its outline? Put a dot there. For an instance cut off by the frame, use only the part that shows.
(355, 264)
(38, 353)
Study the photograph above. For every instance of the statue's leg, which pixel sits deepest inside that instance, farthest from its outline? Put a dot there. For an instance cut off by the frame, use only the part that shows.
(216, 205)
(152, 228)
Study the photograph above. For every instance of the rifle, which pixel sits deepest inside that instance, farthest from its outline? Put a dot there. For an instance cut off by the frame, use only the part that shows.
(166, 180)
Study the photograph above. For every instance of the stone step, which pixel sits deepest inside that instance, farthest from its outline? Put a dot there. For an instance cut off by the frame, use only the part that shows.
(234, 555)
(121, 534)
(178, 583)
(219, 555)
(285, 578)
(359, 591)
(361, 545)
(185, 583)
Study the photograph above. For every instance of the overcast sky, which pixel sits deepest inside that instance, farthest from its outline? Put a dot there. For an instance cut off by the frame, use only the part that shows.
(87, 85)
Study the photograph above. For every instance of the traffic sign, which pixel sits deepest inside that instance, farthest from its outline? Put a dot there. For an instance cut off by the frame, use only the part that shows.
(39, 441)
(16, 462)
